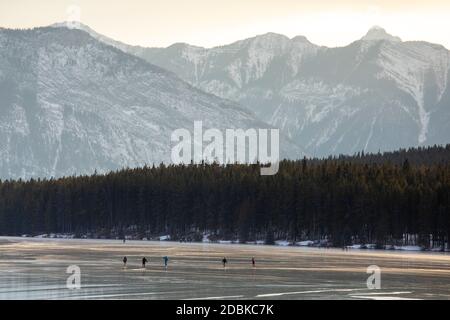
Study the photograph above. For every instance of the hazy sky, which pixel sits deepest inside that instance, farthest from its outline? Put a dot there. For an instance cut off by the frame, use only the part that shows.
(213, 22)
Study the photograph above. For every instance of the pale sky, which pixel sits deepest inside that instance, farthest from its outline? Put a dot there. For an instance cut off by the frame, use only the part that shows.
(216, 22)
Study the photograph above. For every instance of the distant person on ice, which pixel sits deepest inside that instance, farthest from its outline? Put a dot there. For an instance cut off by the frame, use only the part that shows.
(125, 261)
(144, 261)
(253, 262)
(166, 261)
(224, 261)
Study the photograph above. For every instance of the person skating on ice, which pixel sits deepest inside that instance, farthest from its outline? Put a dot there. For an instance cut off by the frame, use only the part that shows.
(144, 261)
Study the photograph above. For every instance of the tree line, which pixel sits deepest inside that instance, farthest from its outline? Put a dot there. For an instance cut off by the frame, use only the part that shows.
(399, 197)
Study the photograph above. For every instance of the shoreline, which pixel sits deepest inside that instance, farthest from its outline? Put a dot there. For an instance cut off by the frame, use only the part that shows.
(5, 240)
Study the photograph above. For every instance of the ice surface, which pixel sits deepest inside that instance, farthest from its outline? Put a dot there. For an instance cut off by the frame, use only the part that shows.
(33, 268)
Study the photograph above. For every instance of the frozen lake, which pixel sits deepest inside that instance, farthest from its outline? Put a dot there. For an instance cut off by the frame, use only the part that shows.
(36, 269)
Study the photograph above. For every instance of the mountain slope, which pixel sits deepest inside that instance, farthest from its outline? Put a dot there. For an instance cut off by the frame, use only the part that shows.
(71, 105)
(378, 93)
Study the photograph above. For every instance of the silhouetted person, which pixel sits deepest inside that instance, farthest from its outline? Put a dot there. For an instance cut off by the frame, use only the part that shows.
(144, 261)
(166, 261)
(224, 261)
(125, 261)
(253, 262)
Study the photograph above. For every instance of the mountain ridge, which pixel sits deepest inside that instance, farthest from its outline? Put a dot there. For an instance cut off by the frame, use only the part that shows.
(74, 105)
(376, 95)
(311, 92)
(95, 34)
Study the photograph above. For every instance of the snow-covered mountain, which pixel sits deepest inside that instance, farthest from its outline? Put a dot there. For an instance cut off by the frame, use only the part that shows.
(378, 93)
(70, 104)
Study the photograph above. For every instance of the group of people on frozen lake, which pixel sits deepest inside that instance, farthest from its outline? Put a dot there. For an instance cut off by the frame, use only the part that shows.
(144, 261)
(166, 262)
